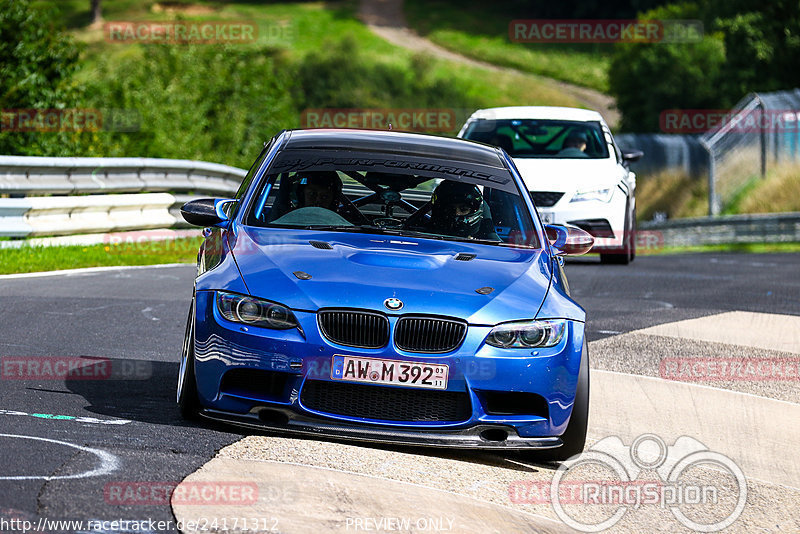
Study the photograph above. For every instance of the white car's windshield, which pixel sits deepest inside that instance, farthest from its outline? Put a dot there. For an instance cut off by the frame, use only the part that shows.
(535, 138)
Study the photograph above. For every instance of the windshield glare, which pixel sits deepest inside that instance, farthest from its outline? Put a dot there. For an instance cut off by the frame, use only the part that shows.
(413, 205)
(533, 138)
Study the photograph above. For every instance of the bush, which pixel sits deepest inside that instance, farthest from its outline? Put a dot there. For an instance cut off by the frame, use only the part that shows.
(215, 103)
(341, 76)
(37, 61)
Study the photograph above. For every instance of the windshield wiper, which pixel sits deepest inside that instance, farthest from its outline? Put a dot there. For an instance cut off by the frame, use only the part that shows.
(425, 235)
(337, 227)
(371, 229)
(398, 232)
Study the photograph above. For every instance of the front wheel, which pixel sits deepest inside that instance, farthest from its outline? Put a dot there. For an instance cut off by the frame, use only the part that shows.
(574, 437)
(188, 401)
(628, 251)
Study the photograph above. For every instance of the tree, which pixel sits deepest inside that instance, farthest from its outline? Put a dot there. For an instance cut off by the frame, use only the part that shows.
(37, 61)
(97, 12)
(749, 45)
(648, 79)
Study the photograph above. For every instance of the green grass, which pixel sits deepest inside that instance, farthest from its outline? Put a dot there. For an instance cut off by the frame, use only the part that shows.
(680, 196)
(778, 191)
(579, 68)
(480, 30)
(671, 192)
(751, 248)
(733, 205)
(38, 258)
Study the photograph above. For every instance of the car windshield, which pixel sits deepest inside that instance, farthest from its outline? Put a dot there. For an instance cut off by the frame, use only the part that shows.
(409, 202)
(534, 138)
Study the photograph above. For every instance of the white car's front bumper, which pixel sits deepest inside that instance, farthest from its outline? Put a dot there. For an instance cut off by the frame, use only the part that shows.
(604, 220)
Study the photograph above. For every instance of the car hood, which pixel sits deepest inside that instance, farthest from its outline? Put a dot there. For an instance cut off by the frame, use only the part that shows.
(567, 175)
(363, 270)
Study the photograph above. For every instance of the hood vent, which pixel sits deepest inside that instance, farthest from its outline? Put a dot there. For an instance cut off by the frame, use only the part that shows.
(463, 256)
(322, 245)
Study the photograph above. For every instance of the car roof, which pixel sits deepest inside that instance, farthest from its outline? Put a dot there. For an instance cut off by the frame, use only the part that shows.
(538, 112)
(400, 143)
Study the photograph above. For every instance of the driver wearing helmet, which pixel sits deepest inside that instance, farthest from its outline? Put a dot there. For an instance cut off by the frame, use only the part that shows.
(320, 189)
(458, 210)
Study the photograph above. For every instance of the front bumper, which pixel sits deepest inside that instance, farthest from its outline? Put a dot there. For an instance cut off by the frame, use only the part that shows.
(477, 371)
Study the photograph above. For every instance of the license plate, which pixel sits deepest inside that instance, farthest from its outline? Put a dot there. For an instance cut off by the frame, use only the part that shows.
(398, 373)
(547, 218)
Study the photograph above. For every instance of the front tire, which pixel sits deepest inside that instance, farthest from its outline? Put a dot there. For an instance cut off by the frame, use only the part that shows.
(574, 437)
(188, 400)
(628, 251)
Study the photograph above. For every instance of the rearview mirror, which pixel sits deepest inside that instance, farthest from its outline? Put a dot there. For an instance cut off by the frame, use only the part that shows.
(629, 156)
(569, 240)
(206, 212)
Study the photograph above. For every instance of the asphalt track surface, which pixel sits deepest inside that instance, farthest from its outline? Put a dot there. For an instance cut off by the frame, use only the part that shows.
(135, 317)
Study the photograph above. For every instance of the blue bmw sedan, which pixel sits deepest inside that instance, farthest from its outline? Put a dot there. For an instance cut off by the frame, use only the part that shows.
(387, 287)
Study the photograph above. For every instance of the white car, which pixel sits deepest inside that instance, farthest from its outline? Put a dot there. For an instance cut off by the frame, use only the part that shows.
(572, 167)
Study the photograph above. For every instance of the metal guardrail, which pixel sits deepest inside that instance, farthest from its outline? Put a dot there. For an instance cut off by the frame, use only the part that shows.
(30, 175)
(70, 215)
(89, 207)
(756, 228)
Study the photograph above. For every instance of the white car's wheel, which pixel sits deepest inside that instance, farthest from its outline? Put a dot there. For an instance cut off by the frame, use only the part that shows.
(627, 253)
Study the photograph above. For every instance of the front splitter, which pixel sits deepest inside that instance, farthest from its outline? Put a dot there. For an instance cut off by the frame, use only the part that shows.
(474, 437)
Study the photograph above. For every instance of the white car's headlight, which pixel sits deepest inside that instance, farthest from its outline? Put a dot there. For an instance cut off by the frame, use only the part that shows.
(527, 334)
(255, 312)
(603, 195)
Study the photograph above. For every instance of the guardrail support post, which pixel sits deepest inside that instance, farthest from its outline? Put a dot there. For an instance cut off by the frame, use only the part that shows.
(763, 140)
(713, 201)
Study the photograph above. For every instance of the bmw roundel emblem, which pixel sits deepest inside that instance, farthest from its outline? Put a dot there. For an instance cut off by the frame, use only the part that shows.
(393, 304)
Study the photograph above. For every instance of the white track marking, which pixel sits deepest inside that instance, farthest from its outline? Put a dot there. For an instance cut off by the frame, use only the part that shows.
(76, 418)
(108, 462)
(91, 270)
(753, 431)
(759, 330)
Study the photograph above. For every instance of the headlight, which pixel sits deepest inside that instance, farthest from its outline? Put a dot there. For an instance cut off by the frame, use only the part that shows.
(253, 311)
(603, 195)
(527, 334)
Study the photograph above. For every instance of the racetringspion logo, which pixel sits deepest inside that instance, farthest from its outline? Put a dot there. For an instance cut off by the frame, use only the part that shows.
(704, 490)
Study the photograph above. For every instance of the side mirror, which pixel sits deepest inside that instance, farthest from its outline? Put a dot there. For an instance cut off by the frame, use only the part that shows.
(206, 212)
(629, 156)
(569, 240)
